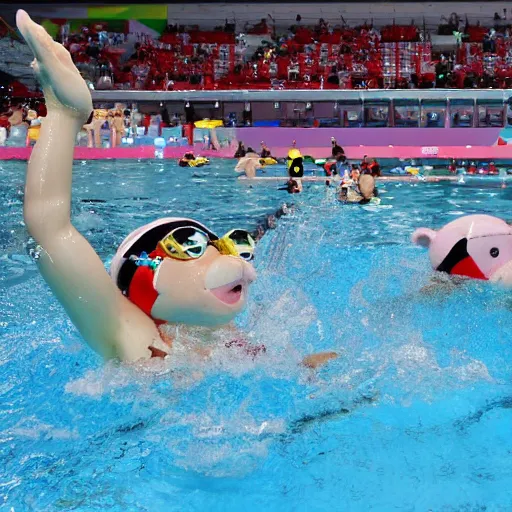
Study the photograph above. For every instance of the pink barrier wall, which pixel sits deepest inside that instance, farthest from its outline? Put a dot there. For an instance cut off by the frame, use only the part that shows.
(357, 142)
(136, 152)
(178, 152)
(98, 154)
(353, 152)
(7, 153)
(444, 152)
(321, 137)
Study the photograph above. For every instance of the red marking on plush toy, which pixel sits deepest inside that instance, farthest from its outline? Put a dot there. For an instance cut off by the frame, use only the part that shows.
(468, 267)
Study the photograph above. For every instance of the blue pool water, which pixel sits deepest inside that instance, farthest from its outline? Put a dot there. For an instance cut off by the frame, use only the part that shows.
(414, 415)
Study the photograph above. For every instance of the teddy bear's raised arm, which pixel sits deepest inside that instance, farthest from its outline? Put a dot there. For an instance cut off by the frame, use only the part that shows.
(105, 318)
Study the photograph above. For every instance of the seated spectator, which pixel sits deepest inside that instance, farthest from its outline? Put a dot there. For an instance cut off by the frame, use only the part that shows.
(140, 54)
(93, 49)
(124, 76)
(454, 21)
(261, 27)
(322, 27)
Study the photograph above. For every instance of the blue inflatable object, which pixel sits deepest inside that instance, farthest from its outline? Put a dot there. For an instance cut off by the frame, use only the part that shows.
(159, 143)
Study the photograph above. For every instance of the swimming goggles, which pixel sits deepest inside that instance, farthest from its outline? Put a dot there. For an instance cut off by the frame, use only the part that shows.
(190, 243)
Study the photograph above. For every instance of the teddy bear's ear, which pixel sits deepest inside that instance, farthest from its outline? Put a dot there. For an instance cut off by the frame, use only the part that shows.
(423, 237)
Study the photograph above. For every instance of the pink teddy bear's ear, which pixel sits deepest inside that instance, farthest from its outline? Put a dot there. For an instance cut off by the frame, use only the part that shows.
(423, 237)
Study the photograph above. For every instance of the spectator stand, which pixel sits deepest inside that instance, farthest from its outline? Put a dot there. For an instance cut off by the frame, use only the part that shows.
(308, 56)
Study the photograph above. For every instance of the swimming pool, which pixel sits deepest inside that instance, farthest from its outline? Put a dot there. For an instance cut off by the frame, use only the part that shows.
(414, 414)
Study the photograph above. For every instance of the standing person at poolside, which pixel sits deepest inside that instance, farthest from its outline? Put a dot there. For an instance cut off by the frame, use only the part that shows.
(336, 148)
(265, 151)
(117, 129)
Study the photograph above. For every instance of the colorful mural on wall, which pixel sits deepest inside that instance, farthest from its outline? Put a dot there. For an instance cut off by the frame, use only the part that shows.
(150, 19)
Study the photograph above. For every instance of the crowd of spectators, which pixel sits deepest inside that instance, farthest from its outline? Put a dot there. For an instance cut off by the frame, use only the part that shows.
(316, 57)
(188, 58)
(320, 56)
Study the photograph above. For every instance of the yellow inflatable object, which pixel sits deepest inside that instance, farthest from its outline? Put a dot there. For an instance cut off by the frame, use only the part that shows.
(34, 127)
(294, 163)
(209, 123)
(294, 153)
(198, 162)
(412, 170)
(33, 133)
(268, 161)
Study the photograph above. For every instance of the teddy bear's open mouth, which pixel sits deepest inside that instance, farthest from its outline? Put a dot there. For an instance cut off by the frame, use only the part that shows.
(229, 293)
